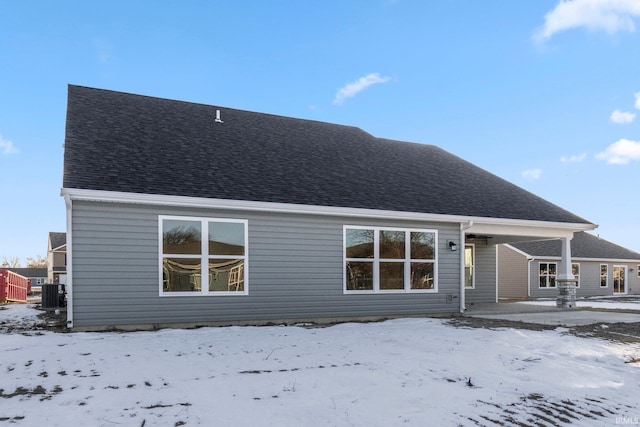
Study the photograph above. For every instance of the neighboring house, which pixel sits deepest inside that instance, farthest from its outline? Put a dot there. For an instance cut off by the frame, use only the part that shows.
(529, 269)
(38, 276)
(189, 214)
(57, 258)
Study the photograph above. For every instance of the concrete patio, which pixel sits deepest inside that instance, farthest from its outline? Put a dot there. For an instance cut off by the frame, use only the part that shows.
(550, 315)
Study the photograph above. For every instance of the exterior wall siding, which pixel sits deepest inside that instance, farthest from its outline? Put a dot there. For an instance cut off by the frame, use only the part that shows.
(512, 274)
(295, 270)
(589, 279)
(485, 274)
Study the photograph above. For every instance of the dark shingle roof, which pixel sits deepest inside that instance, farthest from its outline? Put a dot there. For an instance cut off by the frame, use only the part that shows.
(583, 245)
(138, 144)
(57, 239)
(28, 271)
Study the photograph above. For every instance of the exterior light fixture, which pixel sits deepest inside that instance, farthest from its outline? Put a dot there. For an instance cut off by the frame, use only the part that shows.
(453, 246)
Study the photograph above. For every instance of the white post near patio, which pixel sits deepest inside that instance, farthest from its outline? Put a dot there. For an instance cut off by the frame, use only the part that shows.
(566, 280)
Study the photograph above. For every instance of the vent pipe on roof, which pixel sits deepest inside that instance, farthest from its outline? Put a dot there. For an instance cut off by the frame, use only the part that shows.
(218, 119)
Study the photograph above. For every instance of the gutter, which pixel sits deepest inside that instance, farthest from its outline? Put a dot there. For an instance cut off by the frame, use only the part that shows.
(463, 229)
(534, 227)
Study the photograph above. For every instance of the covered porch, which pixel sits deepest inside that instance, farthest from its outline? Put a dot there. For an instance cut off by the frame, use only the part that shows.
(479, 259)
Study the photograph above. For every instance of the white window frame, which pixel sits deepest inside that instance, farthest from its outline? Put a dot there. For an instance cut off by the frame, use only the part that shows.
(376, 261)
(606, 276)
(576, 276)
(204, 256)
(625, 270)
(473, 266)
(547, 276)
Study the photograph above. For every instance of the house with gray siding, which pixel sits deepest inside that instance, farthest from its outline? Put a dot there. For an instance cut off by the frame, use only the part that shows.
(57, 257)
(529, 269)
(183, 214)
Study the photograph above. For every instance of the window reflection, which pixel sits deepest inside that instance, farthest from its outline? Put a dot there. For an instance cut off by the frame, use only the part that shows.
(181, 275)
(359, 276)
(203, 256)
(226, 275)
(379, 259)
(391, 275)
(392, 244)
(359, 243)
(181, 237)
(422, 245)
(226, 238)
(422, 276)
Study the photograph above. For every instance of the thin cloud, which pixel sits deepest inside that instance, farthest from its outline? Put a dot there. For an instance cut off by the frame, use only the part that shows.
(621, 152)
(7, 147)
(532, 174)
(104, 49)
(574, 159)
(352, 89)
(608, 15)
(637, 104)
(622, 117)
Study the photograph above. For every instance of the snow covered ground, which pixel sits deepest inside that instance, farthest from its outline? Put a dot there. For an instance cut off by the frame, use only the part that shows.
(414, 372)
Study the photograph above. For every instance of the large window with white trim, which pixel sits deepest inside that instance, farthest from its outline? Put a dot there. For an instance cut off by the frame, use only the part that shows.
(380, 259)
(547, 274)
(202, 256)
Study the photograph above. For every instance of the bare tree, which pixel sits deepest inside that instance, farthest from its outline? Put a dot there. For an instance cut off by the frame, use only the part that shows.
(12, 262)
(37, 262)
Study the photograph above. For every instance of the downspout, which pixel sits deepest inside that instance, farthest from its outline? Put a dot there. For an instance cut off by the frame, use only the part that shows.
(529, 260)
(69, 285)
(463, 228)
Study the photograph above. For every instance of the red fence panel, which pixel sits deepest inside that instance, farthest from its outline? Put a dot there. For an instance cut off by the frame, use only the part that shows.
(13, 287)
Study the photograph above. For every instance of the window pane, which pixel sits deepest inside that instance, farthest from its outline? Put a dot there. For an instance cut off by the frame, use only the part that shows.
(359, 243)
(181, 237)
(392, 244)
(575, 269)
(543, 281)
(422, 275)
(552, 269)
(543, 269)
(226, 238)
(226, 275)
(181, 275)
(359, 276)
(422, 245)
(468, 277)
(391, 275)
(468, 266)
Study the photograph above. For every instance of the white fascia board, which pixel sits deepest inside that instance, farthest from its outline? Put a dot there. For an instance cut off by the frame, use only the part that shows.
(506, 227)
(481, 225)
(607, 260)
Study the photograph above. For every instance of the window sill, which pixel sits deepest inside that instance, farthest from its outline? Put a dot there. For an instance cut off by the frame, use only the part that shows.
(200, 294)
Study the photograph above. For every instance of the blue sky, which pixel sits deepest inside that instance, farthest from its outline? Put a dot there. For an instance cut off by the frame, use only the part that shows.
(543, 93)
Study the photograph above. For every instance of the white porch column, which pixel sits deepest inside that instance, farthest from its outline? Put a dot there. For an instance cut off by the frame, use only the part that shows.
(565, 279)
